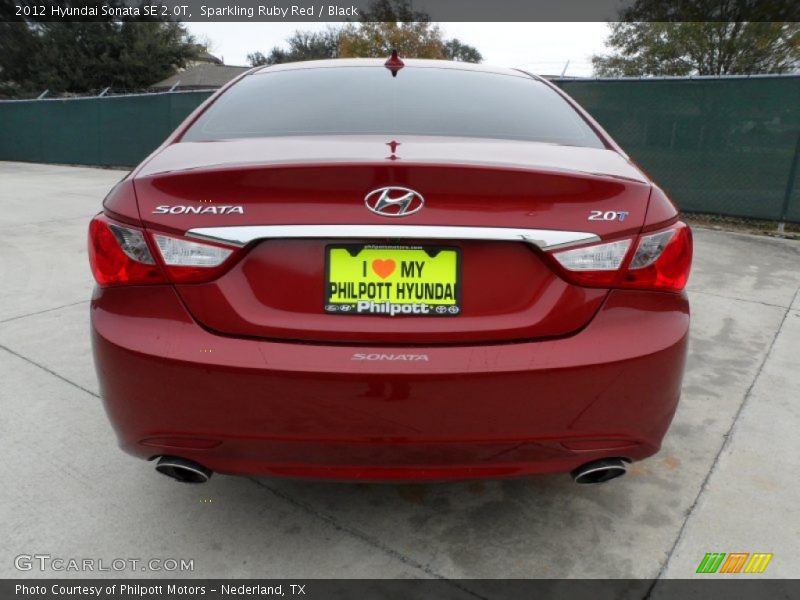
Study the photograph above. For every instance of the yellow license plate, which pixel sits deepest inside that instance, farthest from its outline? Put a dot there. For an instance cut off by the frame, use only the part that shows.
(392, 280)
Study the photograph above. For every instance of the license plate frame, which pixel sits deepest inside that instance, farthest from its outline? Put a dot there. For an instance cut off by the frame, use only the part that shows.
(443, 300)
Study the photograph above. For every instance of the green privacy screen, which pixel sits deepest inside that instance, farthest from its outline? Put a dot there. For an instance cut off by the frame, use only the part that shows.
(723, 146)
(113, 131)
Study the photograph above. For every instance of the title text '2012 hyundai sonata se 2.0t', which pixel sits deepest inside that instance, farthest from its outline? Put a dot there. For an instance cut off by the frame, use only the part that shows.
(388, 270)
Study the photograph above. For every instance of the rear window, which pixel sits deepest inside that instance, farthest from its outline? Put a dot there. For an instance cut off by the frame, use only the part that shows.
(368, 100)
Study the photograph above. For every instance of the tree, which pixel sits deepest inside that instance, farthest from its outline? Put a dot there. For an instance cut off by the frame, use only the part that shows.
(385, 25)
(698, 47)
(80, 57)
(303, 45)
(455, 50)
(416, 39)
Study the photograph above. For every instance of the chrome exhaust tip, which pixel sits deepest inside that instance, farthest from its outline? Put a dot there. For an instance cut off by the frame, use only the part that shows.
(599, 471)
(180, 469)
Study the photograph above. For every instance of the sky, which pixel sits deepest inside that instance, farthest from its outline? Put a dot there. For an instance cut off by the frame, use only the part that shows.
(543, 48)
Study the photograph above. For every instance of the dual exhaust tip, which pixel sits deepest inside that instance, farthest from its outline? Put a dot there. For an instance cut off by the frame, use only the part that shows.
(188, 471)
(599, 471)
(180, 469)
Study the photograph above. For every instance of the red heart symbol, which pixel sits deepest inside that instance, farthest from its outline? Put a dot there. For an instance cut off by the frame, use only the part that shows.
(383, 268)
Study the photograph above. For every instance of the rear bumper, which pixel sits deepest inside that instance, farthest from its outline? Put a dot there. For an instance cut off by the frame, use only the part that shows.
(260, 407)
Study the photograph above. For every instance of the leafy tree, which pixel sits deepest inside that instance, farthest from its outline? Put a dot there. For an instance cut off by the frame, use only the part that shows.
(80, 57)
(713, 43)
(455, 50)
(303, 45)
(257, 59)
(415, 39)
(385, 25)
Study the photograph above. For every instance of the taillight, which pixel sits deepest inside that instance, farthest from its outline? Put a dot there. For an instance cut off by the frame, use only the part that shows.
(191, 262)
(660, 260)
(121, 254)
(595, 265)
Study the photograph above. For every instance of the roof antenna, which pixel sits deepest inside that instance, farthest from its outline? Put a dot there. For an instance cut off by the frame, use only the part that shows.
(394, 63)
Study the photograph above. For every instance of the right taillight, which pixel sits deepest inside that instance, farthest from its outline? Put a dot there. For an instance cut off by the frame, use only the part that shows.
(657, 260)
(662, 260)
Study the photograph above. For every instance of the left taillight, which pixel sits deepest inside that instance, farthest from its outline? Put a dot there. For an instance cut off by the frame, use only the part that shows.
(188, 261)
(121, 254)
(659, 260)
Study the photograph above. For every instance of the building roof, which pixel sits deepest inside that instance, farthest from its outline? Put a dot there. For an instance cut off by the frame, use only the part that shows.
(204, 76)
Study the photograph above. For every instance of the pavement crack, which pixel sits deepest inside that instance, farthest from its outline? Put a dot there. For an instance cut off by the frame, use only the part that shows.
(41, 312)
(762, 303)
(48, 370)
(725, 443)
(364, 537)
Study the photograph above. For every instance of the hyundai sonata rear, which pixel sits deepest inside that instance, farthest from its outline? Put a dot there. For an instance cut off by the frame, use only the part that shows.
(402, 271)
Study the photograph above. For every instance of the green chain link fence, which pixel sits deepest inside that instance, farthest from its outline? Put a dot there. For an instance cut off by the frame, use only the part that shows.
(725, 146)
(110, 131)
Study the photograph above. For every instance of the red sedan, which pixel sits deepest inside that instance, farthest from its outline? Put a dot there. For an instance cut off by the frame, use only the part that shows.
(360, 270)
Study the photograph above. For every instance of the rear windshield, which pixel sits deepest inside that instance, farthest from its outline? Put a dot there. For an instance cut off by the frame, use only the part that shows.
(368, 100)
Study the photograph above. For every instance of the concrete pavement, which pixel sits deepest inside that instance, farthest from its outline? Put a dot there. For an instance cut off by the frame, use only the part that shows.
(723, 481)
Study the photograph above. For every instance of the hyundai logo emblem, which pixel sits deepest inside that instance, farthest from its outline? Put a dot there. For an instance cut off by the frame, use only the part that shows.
(394, 201)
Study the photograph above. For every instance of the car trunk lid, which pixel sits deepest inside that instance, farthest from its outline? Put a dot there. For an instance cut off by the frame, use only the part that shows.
(279, 288)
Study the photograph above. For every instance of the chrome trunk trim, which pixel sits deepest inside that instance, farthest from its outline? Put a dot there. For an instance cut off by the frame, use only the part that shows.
(545, 239)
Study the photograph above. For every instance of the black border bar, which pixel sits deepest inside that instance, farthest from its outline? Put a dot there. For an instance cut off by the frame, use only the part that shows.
(709, 587)
(438, 10)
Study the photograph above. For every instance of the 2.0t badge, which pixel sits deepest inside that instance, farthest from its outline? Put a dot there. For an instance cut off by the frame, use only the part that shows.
(394, 201)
